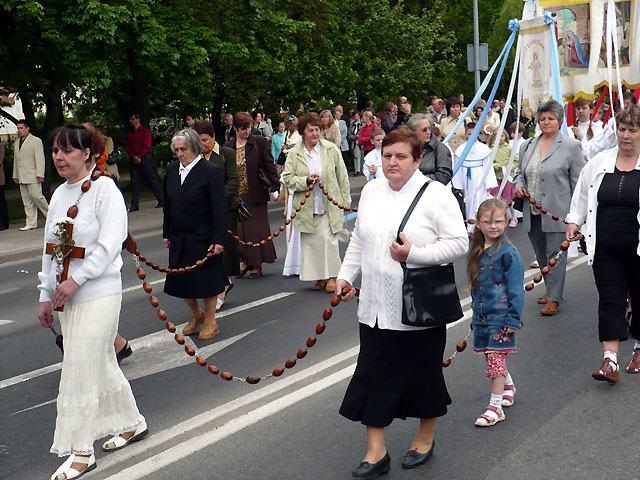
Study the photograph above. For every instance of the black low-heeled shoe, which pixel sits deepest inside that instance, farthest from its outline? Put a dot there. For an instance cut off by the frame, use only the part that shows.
(125, 352)
(413, 458)
(373, 470)
(243, 271)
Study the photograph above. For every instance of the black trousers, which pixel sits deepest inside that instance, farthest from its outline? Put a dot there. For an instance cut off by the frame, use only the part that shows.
(145, 172)
(347, 157)
(4, 212)
(616, 269)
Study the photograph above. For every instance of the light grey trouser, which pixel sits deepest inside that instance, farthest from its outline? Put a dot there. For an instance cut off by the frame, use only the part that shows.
(546, 245)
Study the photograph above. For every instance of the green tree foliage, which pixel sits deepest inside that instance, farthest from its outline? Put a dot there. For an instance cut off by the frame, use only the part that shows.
(104, 59)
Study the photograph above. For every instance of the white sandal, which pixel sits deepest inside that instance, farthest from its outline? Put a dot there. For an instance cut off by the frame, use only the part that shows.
(490, 417)
(508, 395)
(117, 442)
(65, 472)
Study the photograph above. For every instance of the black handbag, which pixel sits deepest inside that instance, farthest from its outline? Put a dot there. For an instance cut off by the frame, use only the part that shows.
(429, 294)
(114, 157)
(263, 180)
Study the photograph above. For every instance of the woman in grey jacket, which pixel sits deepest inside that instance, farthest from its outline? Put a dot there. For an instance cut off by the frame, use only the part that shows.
(550, 167)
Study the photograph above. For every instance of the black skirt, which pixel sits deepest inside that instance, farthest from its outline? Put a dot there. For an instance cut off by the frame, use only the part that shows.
(206, 281)
(398, 375)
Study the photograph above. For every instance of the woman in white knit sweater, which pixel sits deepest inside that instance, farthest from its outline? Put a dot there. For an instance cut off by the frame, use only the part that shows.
(95, 398)
(399, 371)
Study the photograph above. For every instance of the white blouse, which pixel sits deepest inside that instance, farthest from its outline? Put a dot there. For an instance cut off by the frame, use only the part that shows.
(100, 227)
(435, 228)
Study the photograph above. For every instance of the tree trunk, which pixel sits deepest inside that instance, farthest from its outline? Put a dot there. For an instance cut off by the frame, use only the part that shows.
(53, 119)
(138, 87)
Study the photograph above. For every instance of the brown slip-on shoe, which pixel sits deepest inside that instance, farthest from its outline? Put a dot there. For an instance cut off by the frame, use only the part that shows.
(331, 286)
(551, 308)
(634, 363)
(209, 331)
(543, 299)
(193, 325)
(606, 372)
(319, 285)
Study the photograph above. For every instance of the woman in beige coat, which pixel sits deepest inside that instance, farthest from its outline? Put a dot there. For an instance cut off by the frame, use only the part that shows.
(312, 161)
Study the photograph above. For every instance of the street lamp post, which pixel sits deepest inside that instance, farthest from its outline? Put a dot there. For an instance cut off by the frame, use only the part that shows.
(476, 44)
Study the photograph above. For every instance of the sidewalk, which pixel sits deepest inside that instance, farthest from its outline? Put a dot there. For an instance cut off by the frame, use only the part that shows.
(17, 245)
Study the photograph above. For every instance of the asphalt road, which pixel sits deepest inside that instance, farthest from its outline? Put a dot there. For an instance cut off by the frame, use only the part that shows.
(563, 425)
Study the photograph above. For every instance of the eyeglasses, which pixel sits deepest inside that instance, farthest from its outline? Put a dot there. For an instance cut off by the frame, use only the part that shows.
(426, 129)
(493, 223)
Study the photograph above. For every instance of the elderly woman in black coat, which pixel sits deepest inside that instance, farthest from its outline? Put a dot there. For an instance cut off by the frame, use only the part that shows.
(195, 222)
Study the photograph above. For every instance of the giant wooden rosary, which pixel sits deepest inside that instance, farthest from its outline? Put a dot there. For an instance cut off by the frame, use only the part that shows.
(290, 363)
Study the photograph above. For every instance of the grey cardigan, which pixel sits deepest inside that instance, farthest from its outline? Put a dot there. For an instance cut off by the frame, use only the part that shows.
(559, 173)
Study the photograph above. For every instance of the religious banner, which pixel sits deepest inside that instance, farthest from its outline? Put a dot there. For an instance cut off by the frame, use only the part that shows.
(535, 65)
(581, 28)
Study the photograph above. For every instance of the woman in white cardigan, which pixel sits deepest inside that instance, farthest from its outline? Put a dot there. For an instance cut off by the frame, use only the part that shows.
(399, 371)
(606, 205)
(95, 398)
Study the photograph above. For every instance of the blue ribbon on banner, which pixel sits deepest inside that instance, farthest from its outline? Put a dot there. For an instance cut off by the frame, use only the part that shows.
(555, 68)
(514, 26)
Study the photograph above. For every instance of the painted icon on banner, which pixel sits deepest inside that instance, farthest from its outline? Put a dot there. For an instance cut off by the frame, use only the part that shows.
(624, 27)
(572, 33)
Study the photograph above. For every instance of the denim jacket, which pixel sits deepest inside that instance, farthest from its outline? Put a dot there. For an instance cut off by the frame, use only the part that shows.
(498, 297)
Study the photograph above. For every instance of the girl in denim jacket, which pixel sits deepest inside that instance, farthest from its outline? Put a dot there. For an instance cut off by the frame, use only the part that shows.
(496, 276)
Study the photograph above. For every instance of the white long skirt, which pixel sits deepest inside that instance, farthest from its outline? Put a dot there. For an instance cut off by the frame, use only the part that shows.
(320, 251)
(95, 399)
(293, 260)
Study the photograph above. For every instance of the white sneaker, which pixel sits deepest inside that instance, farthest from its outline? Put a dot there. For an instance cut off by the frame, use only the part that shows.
(27, 228)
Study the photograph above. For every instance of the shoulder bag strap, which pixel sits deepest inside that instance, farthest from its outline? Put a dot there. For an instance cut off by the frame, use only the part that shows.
(410, 210)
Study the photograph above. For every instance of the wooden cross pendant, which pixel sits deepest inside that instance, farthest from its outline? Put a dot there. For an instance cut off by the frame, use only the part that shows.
(69, 253)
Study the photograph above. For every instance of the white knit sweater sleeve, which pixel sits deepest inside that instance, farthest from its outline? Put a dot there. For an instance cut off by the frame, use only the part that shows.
(112, 217)
(352, 262)
(448, 222)
(46, 294)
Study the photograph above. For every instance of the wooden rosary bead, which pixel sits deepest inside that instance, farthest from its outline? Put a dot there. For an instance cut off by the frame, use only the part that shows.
(301, 353)
(553, 262)
(228, 376)
(529, 286)
(311, 341)
(461, 346)
(209, 254)
(162, 315)
(282, 227)
(532, 199)
(269, 238)
(96, 174)
(181, 270)
(538, 205)
(179, 339)
(335, 300)
(335, 202)
(537, 278)
(555, 217)
(155, 267)
(325, 192)
(252, 379)
(286, 222)
(263, 242)
(171, 328)
(544, 211)
(199, 263)
(307, 194)
(276, 234)
(354, 209)
(564, 246)
(298, 208)
(330, 198)
(545, 270)
(326, 315)
(320, 328)
(187, 268)
(303, 201)
(321, 185)
(213, 369)
(141, 273)
(72, 211)
(153, 300)
(143, 259)
(86, 185)
(446, 362)
(290, 363)
(201, 361)
(190, 351)
(277, 372)
(293, 215)
(136, 252)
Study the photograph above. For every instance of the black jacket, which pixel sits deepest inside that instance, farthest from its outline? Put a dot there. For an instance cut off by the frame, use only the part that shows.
(436, 161)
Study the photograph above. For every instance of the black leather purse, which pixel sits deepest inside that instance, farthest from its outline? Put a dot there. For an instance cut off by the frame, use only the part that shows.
(429, 294)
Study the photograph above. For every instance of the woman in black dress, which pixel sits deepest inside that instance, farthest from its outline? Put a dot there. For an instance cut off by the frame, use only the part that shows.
(606, 206)
(195, 222)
